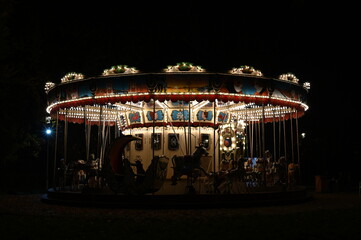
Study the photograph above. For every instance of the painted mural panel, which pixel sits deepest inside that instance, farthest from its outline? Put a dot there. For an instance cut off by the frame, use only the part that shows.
(84, 90)
(72, 92)
(222, 117)
(120, 86)
(135, 118)
(287, 91)
(185, 83)
(180, 115)
(137, 86)
(156, 116)
(247, 86)
(204, 115)
(104, 88)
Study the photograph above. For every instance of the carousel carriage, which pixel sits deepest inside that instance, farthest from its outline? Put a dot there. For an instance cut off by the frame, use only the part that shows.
(120, 176)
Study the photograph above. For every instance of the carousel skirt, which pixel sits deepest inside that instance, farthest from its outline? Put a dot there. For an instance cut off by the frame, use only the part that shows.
(109, 200)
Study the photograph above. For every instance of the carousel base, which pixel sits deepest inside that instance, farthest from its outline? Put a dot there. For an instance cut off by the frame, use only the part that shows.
(110, 200)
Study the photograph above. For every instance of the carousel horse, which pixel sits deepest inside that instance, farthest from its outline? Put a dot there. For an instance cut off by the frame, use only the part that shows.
(252, 173)
(292, 174)
(83, 174)
(279, 171)
(188, 164)
(230, 173)
(93, 173)
(75, 174)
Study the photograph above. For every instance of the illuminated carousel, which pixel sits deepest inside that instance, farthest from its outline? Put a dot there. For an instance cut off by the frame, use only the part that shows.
(181, 133)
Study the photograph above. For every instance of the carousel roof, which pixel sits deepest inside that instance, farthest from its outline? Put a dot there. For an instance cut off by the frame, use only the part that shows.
(121, 88)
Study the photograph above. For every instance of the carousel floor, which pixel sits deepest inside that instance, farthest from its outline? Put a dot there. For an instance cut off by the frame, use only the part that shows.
(162, 200)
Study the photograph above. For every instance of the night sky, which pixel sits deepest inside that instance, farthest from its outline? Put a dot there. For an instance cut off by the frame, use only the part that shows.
(316, 42)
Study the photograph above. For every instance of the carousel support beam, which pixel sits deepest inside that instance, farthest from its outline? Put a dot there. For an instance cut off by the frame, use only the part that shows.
(116, 127)
(263, 132)
(274, 136)
(99, 134)
(285, 145)
(176, 136)
(66, 137)
(85, 133)
(130, 149)
(259, 141)
(292, 143)
(246, 138)
(99, 137)
(252, 138)
(284, 139)
(279, 132)
(55, 148)
(214, 143)
(104, 140)
(163, 141)
(153, 138)
(298, 146)
(87, 129)
(189, 129)
(263, 146)
(185, 131)
(108, 132)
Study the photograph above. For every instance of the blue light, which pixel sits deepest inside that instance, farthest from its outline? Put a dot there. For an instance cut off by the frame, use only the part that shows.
(48, 131)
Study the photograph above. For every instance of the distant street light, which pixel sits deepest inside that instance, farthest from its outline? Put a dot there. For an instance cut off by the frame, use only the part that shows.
(48, 131)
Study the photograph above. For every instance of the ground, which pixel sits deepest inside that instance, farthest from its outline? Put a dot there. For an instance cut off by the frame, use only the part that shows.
(326, 216)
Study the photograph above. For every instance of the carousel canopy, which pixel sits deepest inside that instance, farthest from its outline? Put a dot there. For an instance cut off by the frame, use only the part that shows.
(182, 93)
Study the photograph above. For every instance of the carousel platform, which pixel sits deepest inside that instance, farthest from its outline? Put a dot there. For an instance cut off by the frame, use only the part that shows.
(110, 200)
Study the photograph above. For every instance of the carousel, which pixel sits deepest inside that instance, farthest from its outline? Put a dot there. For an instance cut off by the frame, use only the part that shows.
(141, 137)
